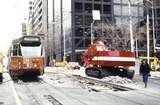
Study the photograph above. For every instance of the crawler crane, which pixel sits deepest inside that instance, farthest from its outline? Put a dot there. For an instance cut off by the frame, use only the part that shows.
(100, 61)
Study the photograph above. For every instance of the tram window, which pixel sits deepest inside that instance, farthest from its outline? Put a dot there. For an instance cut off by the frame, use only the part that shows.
(29, 43)
(15, 49)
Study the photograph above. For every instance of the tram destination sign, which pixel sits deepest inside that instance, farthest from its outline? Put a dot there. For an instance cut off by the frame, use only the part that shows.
(31, 39)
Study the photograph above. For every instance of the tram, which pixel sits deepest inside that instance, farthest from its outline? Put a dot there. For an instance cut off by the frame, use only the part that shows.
(26, 55)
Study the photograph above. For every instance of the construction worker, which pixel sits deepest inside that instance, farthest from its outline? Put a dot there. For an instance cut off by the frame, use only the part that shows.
(145, 71)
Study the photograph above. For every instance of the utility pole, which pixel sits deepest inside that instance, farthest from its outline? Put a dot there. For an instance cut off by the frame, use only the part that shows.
(92, 36)
(95, 16)
(148, 49)
(154, 42)
(62, 33)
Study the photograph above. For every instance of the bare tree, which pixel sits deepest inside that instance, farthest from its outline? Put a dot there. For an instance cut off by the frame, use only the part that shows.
(117, 37)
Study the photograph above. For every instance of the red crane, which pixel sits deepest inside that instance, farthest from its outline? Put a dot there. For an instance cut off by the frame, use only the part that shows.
(101, 61)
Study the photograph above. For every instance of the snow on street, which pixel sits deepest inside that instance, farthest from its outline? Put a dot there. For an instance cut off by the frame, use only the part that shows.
(58, 87)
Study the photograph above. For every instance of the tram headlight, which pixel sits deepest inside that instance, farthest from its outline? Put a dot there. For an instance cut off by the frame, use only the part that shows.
(35, 65)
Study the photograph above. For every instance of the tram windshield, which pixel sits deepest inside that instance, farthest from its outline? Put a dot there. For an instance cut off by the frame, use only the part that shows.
(31, 48)
(30, 51)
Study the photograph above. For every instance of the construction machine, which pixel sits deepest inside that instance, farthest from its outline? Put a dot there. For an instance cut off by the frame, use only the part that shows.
(100, 61)
(1, 66)
(154, 60)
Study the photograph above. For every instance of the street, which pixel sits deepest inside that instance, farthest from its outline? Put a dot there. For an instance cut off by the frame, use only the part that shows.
(60, 87)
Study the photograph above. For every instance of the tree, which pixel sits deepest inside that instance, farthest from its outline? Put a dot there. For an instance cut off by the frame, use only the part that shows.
(118, 37)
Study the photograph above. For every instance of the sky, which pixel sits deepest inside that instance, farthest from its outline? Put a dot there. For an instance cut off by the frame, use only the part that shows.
(13, 13)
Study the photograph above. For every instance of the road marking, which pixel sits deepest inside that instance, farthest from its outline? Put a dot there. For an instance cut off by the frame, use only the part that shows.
(18, 102)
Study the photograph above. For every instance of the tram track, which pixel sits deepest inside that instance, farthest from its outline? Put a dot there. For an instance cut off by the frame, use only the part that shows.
(52, 90)
(114, 87)
(48, 94)
(88, 81)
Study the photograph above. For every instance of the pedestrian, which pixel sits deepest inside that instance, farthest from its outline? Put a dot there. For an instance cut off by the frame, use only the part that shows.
(145, 71)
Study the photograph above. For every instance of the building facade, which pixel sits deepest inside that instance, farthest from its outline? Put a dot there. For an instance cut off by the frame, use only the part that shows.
(30, 18)
(40, 17)
(156, 7)
(73, 18)
(24, 29)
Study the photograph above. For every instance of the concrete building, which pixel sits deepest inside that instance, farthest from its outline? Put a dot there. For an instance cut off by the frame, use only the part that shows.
(30, 18)
(24, 29)
(40, 17)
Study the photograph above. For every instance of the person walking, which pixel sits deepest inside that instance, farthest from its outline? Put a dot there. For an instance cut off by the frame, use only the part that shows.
(145, 71)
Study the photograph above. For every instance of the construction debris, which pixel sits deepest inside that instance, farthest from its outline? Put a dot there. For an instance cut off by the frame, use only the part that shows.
(67, 65)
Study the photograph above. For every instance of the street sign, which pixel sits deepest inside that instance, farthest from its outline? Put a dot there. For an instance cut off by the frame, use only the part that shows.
(96, 14)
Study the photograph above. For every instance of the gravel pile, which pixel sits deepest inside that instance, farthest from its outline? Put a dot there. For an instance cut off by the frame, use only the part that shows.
(117, 80)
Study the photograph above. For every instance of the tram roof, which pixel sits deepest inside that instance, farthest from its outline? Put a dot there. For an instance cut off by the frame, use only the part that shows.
(18, 40)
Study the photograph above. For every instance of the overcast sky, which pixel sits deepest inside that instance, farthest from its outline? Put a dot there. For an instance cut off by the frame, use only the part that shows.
(13, 13)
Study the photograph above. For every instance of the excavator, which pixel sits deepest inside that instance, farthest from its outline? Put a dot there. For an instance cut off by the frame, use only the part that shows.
(101, 61)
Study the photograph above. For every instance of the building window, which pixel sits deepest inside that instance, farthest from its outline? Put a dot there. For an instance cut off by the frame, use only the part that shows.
(117, 1)
(30, 8)
(97, 0)
(106, 0)
(117, 9)
(78, 20)
(87, 32)
(78, 31)
(87, 42)
(125, 10)
(158, 12)
(118, 20)
(78, 7)
(97, 7)
(134, 11)
(79, 42)
(88, 7)
(107, 9)
(141, 11)
(124, 1)
(30, 2)
(88, 20)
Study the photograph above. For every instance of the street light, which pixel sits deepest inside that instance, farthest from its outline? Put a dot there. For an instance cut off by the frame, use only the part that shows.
(148, 49)
(130, 26)
(96, 16)
(154, 42)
